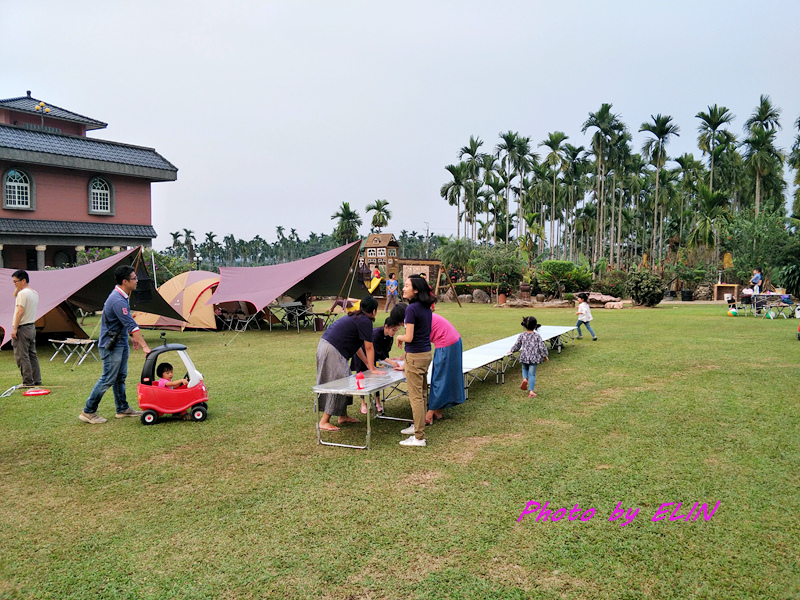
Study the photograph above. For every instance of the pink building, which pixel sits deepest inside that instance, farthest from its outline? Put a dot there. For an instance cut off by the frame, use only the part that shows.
(63, 192)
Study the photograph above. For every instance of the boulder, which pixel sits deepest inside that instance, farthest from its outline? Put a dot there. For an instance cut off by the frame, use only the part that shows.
(613, 305)
(599, 300)
(481, 297)
(450, 295)
(704, 291)
(465, 298)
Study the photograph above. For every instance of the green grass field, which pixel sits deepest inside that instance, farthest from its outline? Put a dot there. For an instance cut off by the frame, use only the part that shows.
(674, 404)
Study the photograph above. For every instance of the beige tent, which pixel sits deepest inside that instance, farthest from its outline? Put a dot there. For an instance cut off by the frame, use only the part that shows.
(188, 294)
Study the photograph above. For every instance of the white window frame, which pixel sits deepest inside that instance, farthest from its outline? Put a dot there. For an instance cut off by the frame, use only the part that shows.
(393, 252)
(101, 197)
(20, 193)
(370, 252)
(381, 251)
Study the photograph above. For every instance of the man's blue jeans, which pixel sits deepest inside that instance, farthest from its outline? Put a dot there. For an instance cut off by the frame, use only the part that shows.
(115, 370)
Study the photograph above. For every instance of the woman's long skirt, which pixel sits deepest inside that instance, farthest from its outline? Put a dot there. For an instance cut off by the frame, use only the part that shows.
(447, 381)
(331, 365)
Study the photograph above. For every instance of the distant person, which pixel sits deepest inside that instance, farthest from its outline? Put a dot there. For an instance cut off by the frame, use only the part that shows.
(23, 329)
(757, 280)
(340, 342)
(584, 315)
(391, 292)
(532, 352)
(165, 373)
(115, 326)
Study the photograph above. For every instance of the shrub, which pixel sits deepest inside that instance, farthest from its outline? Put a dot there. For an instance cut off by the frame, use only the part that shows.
(645, 288)
(562, 276)
(612, 284)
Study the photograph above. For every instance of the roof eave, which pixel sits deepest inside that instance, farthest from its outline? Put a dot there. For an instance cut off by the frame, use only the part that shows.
(87, 164)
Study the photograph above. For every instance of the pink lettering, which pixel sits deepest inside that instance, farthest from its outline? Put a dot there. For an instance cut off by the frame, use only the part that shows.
(590, 514)
(563, 512)
(575, 511)
(545, 514)
(706, 516)
(526, 511)
(661, 511)
(673, 516)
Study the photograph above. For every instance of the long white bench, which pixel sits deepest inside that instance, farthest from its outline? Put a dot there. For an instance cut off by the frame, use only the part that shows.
(493, 358)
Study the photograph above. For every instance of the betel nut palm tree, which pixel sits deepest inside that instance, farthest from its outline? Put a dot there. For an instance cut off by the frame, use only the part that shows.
(661, 129)
(710, 123)
(381, 214)
(555, 159)
(349, 222)
(452, 190)
(474, 162)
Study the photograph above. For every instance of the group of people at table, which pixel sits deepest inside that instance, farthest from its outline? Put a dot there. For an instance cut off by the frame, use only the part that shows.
(352, 343)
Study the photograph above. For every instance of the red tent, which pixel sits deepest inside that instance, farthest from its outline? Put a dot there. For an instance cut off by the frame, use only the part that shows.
(321, 275)
(86, 286)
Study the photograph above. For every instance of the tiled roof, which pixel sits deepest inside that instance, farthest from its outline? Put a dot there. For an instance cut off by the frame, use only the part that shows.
(28, 104)
(81, 147)
(33, 226)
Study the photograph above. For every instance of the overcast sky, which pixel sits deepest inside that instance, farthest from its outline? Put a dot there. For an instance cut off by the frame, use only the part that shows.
(276, 112)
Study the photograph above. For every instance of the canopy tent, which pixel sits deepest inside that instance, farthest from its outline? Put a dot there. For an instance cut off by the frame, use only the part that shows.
(321, 275)
(86, 286)
(188, 293)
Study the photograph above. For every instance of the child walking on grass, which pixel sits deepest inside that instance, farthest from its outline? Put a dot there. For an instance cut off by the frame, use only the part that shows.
(584, 316)
(532, 352)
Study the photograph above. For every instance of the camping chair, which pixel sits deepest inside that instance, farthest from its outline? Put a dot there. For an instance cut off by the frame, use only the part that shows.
(746, 304)
(731, 300)
(786, 307)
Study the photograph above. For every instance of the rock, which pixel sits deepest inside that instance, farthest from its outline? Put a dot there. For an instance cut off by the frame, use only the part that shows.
(599, 300)
(704, 291)
(443, 298)
(613, 305)
(465, 298)
(540, 297)
(450, 295)
(481, 297)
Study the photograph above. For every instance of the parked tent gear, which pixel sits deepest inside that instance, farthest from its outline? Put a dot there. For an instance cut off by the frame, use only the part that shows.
(86, 287)
(188, 293)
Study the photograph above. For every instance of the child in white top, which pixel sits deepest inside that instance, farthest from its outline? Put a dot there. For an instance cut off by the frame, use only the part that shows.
(584, 315)
(533, 351)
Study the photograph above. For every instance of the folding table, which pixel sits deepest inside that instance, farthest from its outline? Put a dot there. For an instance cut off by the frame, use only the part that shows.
(348, 386)
(70, 346)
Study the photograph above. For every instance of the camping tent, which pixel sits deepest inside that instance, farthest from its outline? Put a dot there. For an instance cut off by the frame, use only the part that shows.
(188, 293)
(321, 275)
(86, 286)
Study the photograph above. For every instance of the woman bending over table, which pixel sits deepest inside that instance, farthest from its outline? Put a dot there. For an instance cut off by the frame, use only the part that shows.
(338, 345)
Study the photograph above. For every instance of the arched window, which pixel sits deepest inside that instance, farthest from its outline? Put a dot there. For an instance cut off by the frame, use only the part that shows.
(101, 197)
(17, 190)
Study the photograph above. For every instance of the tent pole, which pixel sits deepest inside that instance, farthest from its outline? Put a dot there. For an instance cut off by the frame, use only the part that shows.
(353, 270)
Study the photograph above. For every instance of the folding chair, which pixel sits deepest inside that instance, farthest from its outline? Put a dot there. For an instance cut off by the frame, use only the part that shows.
(786, 306)
(746, 304)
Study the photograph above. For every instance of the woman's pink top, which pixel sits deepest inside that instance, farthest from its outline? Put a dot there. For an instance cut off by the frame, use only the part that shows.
(443, 334)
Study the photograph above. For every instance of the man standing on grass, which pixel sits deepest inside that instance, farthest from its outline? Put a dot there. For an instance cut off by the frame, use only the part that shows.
(115, 327)
(23, 329)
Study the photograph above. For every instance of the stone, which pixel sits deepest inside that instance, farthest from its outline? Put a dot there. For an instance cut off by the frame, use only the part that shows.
(613, 305)
(481, 297)
(465, 298)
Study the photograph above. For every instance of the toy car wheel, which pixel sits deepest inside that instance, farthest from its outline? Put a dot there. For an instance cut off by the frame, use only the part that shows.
(204, 405)
(150, 417)
(199, 413)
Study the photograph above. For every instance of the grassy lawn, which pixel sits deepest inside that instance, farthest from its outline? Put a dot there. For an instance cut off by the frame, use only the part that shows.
(674, 404)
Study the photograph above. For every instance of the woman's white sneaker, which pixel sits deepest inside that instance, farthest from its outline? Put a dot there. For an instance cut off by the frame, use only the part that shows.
(412, 441)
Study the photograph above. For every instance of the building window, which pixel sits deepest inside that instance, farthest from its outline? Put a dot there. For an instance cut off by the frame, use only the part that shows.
(381, 251)
(18, 190)
(370, 252)
(392, 251)
(101, 197)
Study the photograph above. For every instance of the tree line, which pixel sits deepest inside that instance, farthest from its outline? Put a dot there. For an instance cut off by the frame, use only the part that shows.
(614, 207)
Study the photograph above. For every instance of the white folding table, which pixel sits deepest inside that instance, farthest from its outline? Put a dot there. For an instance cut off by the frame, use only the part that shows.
(348, 386)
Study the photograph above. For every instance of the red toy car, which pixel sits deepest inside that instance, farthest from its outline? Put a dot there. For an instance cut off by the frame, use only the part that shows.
(159, 401)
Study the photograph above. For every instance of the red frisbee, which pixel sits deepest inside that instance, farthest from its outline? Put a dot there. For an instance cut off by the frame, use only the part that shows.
(38, 392)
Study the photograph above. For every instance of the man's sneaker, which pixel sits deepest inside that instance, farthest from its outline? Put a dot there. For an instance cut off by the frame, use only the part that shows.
(93, 418)
(412, 441)
(410, 430)
(129, 412)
